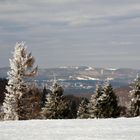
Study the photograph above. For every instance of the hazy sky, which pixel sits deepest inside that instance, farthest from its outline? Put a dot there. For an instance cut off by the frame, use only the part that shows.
(99, 33)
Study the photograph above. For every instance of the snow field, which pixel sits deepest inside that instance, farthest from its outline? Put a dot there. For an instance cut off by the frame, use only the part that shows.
(90, 129)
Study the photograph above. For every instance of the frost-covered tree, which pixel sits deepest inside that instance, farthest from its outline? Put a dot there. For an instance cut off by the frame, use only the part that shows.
(21, 67)
(104, 103)
(135, 100)
(1, 113)
(93, 105)
(108, 103)
(82, 112)
(55, 106)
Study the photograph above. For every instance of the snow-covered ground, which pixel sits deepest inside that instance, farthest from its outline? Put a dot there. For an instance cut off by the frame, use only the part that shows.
(96, 129)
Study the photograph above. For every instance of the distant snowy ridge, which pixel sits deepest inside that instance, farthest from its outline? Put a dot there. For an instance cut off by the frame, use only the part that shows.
(67, 67)
(112, 69)
(63, 67)
(89, 68)
(87, 78)
(109, 79)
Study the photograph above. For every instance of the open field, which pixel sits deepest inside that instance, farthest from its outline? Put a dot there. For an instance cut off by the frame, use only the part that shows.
(96, 129)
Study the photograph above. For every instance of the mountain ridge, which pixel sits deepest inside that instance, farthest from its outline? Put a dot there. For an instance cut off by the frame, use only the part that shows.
(83, 78)
(81, 81)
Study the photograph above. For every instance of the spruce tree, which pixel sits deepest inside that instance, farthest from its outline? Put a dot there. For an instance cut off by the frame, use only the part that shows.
(21, 67)
(30, 104)
(93, 105)
(82, 112)
(55, 106)
(108, 103)
(135, 100)
(44, 94)
(1, 113)
(104, 103)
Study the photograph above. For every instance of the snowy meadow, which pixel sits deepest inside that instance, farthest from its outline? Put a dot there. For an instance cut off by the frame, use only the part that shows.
(75, 129)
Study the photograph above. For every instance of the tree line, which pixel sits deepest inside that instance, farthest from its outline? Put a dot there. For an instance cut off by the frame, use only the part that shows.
(24, 100)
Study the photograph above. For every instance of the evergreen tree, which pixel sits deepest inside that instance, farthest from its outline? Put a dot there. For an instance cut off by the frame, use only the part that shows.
(55, 106)
(108, 103)
(44, 94)
(82, 112)
(73, 104)
(20, 68)
(30, 104)
(1, 113)
(93, 106)
(104, 103)
(135, 101)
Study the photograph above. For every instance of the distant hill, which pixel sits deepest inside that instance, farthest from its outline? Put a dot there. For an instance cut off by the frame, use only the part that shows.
(82, 80)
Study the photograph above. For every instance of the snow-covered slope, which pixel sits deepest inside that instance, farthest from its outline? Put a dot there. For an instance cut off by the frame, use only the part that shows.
(96, 129)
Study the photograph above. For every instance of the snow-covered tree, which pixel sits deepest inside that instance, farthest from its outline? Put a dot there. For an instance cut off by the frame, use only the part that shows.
(55, 105)
(104, 103)
(1, 113)
(108, 103)
(135, 100)
(93, 106)
(82, 112)
(21, 67)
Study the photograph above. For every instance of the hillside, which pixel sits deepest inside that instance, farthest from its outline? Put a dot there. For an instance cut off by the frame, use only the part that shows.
(96, 129)
(82, 79)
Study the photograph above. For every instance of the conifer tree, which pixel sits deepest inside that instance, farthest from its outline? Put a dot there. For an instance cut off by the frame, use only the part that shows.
(93, 106)
(55, 106)
(44, 94)
(21, 67)
(30, 104)
(1, 113)
(135, 101)
(108, 103)
(104, 103)
(82, 112)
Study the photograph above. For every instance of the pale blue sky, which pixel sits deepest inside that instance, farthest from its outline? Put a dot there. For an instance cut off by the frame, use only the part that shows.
(99, 33)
